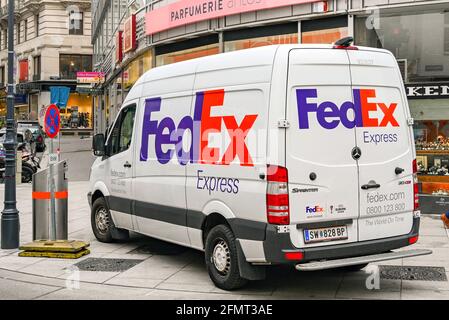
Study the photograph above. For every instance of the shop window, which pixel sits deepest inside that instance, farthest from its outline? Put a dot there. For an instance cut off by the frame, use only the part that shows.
(136, 69)
(78, 113)
(76, 23)
(324, 36)
(261, 36)
(420, 39)
(186, 50)
(324, 31)
(260, 42)
(70, 64)
(187, 54)
(432, 156)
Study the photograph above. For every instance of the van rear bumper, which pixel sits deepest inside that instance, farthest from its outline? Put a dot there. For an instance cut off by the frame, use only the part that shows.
(276, 245)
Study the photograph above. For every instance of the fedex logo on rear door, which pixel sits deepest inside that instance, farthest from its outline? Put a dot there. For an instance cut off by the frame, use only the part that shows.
(330, 116)
(168, 136)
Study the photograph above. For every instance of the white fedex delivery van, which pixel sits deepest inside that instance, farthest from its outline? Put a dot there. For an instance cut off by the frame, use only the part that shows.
(287, 154)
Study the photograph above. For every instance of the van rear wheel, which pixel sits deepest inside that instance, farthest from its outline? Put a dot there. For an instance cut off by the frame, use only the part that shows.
(221, 258)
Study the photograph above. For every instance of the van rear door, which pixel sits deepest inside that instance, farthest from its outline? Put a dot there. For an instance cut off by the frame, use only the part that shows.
(386, 146)
(323, 176)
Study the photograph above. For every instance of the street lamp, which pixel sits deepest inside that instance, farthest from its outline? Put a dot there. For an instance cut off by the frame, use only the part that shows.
(10, 214)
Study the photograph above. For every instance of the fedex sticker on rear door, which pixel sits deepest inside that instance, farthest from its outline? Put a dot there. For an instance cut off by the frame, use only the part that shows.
(210, 119)
(365, 110)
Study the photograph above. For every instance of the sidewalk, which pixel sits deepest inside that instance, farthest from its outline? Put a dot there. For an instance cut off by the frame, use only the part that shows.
(164, 271)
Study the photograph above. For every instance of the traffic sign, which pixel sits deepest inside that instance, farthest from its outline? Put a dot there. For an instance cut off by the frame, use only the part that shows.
(52, 121)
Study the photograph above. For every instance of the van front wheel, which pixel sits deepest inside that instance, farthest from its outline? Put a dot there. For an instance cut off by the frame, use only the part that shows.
(101, 221)
(221, 258)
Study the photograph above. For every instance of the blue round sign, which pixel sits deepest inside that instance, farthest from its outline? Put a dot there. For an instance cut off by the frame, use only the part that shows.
(52, 121)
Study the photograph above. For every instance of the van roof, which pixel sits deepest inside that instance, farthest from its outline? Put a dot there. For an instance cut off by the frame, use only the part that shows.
(247, 57)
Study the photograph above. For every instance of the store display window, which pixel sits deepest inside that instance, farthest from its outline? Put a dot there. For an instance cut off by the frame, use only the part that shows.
(78, 113)
(432, 156)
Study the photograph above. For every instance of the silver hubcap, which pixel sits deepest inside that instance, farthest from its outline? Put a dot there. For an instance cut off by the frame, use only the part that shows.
(221, 257)
(102, 220)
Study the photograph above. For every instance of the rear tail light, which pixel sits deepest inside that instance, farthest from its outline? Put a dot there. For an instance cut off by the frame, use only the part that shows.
(413, 240)
(415, 186)
(294, 256)
(278, 211)
(39, 139)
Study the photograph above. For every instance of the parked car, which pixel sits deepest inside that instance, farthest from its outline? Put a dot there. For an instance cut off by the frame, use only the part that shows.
(36, 130)
(289, 154)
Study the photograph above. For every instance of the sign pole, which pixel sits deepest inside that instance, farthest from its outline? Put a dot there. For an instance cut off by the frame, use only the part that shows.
(52, 197)
(10, 215)
(52, 127)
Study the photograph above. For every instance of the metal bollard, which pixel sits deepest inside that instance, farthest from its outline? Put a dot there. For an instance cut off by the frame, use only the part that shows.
(42, 222)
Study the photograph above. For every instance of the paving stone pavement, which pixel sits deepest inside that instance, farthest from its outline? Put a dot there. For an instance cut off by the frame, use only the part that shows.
(178, 273)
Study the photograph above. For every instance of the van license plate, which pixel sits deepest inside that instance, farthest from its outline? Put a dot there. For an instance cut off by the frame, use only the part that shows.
(325, 234)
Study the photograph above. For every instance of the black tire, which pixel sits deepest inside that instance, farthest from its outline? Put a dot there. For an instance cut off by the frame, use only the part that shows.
(102, 229)
(225, 276)
(27, 174)
(354, 268)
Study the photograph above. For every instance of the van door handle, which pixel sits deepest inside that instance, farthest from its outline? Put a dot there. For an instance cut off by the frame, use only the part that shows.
(371, 185)
(127, 164)
(398, 170)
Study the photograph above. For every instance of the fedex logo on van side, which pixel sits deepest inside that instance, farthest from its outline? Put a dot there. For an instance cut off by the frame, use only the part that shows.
(169, 136)
(330, 116)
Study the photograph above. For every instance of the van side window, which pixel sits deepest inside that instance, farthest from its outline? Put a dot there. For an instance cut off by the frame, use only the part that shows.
(121, 134)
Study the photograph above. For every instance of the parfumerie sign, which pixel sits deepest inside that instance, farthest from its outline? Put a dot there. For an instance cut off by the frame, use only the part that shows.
(427, 90)
(185, 12)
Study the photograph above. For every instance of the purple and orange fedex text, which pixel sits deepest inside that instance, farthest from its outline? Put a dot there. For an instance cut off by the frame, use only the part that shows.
(201, 126)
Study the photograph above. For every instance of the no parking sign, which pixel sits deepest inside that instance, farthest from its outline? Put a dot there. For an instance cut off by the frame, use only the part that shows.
(52, 121)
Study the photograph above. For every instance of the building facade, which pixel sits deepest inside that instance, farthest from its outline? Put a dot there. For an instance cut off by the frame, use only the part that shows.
(52, 41)
(131, 37)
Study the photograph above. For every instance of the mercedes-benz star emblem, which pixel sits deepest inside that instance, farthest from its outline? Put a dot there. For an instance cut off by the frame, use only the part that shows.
(356, 153)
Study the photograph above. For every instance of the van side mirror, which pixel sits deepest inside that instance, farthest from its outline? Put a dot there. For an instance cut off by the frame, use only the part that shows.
(98, 146)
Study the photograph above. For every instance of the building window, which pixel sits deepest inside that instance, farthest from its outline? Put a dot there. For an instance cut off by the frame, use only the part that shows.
(76, 23)
(36, 25)
(18, 33)
(25, 29)
(2, 77)
(70, 64)
(37, 68)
